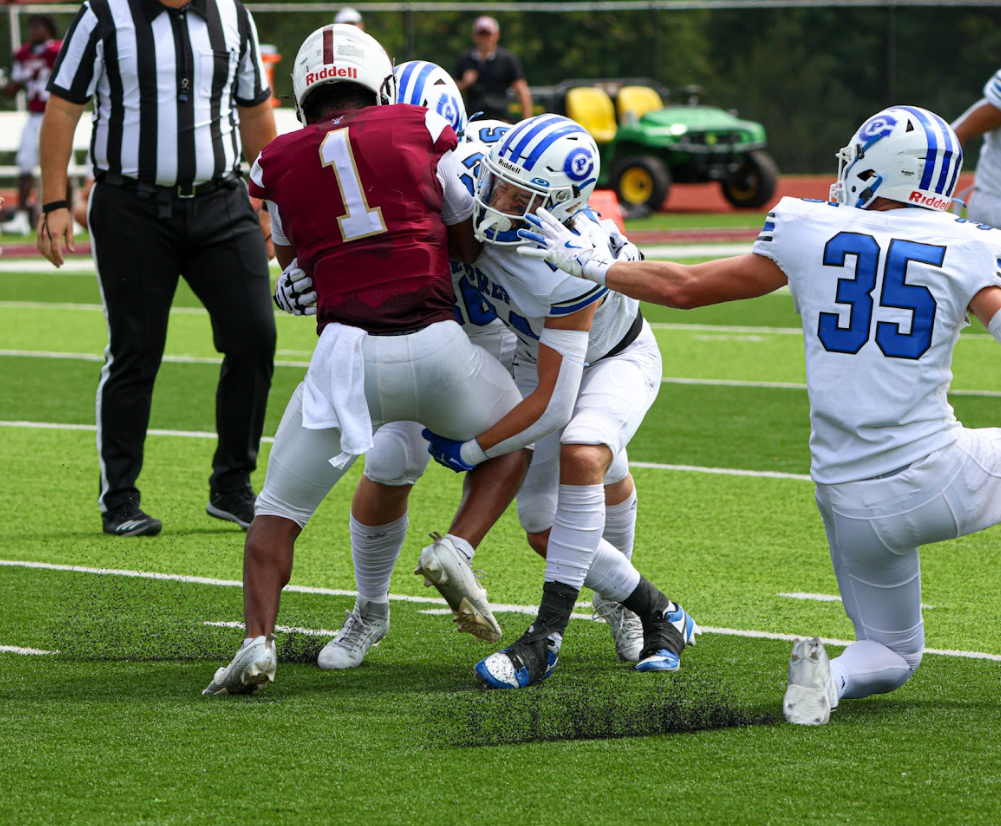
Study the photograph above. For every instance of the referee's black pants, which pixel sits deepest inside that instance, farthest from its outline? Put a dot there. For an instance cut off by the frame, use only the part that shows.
(214, 241)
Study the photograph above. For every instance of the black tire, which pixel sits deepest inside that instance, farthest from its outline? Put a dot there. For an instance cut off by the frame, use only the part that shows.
(754, 183)
(641, 180)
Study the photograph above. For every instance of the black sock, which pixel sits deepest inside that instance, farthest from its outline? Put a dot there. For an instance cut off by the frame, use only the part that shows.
(650, 605)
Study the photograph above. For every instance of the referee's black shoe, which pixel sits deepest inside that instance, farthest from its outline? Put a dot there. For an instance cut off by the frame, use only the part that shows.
(233, 506)
(129, 520)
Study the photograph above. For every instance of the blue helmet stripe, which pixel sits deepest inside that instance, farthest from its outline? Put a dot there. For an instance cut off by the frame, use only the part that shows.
(955, 170)
(420, 84)
(550, 138)
(952, 153)
(404, 79)
(932, 157)
(511, 135)
(542, 123)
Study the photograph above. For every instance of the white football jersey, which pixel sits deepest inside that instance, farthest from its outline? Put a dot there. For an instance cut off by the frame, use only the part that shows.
(523, 291)
(883, 297)
(988, 175)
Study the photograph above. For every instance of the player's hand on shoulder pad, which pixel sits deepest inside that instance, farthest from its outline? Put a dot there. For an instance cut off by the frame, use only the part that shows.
(571, 252)
(447, 452)
(294, 291)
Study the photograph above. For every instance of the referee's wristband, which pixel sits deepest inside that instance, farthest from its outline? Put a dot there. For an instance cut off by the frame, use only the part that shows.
(52, 206)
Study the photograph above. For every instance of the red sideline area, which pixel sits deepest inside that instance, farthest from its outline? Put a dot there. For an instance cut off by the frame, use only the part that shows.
(683, 198)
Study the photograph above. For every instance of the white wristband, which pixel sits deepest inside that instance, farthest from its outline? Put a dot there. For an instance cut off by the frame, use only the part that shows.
(596, 270)
(471, 453)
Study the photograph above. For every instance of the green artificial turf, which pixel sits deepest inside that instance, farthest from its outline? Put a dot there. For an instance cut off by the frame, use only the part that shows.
(113, 728)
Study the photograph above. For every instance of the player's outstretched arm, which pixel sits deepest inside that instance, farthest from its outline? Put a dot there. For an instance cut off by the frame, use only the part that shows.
(979, 119)
(562, 350)
(685, 287)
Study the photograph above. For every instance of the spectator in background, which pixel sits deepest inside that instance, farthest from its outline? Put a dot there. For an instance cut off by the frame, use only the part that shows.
(33, 63)
(984, 118)
(167, 203)
(486, 72)
(351, 16)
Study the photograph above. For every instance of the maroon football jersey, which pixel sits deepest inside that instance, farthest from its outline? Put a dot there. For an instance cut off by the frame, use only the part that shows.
(32, 66)
(360, 201)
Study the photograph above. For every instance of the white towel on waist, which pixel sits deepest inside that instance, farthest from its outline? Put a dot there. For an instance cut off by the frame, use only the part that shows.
(334, 391)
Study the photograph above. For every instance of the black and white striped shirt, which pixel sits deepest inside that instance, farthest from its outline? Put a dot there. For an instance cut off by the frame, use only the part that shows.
(165, 84)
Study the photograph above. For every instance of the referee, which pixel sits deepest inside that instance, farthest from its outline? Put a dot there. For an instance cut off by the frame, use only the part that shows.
(177, 87)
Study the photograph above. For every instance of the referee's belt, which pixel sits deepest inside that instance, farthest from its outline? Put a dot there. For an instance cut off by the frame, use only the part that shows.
(181, 191)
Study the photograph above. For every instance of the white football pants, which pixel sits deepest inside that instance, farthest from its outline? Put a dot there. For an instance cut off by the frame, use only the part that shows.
(435, 376)
(875, 527)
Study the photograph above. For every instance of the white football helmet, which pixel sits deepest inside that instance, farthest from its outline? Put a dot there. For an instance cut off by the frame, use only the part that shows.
(903, 153)
(426, 84)
(545, 161)
(486, 130)
(342, 53)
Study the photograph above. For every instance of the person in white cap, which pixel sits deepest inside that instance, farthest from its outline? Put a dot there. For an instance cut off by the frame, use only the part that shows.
(485, 73)
(350, 15)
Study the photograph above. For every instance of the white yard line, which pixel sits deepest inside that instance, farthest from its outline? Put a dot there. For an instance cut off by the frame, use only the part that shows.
(521, 609)
(85, 266)
(284, 629)
(721, 471)
(831, 598)
(27, 652)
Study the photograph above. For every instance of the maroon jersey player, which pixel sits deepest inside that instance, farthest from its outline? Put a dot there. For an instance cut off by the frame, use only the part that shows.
(360, 199)
(30, 72)
(368, 196)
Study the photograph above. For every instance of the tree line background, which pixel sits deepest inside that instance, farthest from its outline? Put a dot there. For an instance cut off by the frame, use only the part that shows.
(810, 75)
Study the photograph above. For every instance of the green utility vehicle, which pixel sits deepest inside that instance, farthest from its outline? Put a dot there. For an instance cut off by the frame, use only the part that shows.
(647, 145)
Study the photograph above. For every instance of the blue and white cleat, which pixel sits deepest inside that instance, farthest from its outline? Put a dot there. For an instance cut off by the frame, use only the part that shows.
(525, 663)
(664, 659)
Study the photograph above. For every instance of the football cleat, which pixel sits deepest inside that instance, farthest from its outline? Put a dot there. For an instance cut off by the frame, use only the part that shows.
(363, 628)
(659, 658)
(447, 569)
(528, 661)
(812, 694)
(252, 668)
(626, 628)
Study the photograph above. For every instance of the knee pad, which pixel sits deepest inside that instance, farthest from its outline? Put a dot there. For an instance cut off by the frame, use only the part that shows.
(399, 455)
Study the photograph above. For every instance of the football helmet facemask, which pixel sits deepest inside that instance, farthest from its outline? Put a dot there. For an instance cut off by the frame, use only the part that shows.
(903, 153)
(421, 83)
(341, 53)
(545, 161)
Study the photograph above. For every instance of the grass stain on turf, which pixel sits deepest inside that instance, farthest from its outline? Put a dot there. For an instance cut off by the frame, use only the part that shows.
(633, 706)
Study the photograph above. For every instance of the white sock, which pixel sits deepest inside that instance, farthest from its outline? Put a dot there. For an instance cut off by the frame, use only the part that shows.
(620, 525)
(576, 534)
(611, 575)
(462, 546)
(375, 550)
(867, 667)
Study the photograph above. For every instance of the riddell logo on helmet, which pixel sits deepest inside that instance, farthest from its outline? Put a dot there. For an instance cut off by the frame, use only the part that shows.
(328, 72)
(930, 201)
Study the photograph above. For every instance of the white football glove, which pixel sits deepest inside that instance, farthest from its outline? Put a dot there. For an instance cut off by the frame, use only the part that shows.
(622, 248)
(294, 291)
(557, 245)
